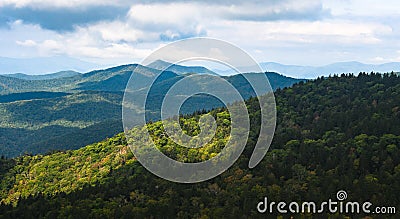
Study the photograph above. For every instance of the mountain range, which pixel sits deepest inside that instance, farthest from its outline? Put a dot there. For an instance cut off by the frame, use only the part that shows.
(60, 74)
(326, 70)
(179, 69)
(44, 65)
(310, 72)
(48, 65)
(45, 113)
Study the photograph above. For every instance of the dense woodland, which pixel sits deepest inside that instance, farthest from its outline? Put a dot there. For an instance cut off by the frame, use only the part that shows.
(340, 132)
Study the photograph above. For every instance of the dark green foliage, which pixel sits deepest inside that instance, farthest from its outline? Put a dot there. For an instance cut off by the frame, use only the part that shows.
(42, 125)
(332, 134)
(30, 96)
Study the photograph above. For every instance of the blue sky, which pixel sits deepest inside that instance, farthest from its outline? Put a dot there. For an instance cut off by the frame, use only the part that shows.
(308, 32)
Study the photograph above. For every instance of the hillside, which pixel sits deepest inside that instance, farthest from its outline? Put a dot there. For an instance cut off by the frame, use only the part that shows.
(332, 133)
(42, 124)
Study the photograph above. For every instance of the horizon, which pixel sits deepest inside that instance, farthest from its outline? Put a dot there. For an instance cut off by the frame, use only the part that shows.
(223, 70)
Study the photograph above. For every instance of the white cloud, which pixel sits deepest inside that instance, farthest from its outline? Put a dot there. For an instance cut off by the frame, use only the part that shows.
(167, 21)
(86, 42)
(327, 31)
(164, 14)
(28, 43)
(114, 31)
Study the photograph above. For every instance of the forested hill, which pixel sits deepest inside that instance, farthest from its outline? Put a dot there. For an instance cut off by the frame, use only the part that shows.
(336, 133)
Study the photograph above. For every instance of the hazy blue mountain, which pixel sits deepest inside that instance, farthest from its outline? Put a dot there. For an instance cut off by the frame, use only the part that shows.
(110, 79)
(335, 68)
(60, 74)
(44, 65)
(180, 69)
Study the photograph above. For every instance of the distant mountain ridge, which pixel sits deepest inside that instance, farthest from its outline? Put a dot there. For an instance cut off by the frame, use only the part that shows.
(326, 70)
(179, 69)
(60, 74)
(110, 79)
(48, 65)
(44, 65)
(312, 72)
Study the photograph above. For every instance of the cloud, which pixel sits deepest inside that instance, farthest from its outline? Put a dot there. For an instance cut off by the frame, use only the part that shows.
(60, 19)
(27, 43)
(64, 15)
(106, 40)
(270, 10)
(169, 21)
(289, 33)
(176, 20)
(277, 30)
(276, 10)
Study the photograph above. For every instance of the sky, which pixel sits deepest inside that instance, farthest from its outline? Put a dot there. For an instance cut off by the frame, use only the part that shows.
(306, 32)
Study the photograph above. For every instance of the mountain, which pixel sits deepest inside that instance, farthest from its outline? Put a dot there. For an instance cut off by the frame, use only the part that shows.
(179, 69)
(44, 65)
(61, 74)
(60, 108)
(335, 133)
(335, 68)
(110, 79)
